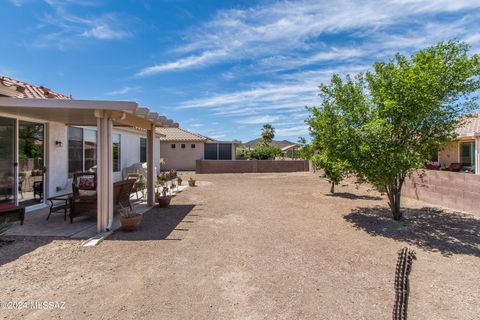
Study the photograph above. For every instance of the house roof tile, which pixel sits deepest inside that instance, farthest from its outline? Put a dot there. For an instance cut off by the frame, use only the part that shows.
(471, 127)
(180, 134)
(20, 89)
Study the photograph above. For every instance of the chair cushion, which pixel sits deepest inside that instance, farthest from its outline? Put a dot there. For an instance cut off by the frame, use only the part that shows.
(86, 193)
(86, 184)
(7, 206)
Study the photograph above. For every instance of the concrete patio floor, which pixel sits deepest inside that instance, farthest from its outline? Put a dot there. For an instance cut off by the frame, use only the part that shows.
(37, 225)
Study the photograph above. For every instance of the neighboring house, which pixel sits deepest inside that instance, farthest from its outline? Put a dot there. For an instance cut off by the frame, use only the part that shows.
(464, 152)
(45, 137)
(182, 148)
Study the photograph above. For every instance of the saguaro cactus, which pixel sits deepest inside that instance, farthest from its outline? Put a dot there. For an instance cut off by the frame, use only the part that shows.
(402, 283)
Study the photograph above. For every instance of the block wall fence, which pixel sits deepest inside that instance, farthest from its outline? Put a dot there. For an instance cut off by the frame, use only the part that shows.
(455, 190)
(251, 166)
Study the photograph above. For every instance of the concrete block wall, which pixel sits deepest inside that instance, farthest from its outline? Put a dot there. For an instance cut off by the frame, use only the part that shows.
(250, 166)
(455, 190)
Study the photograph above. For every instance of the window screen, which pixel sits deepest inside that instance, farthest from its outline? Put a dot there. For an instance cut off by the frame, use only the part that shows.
(224, 151)
(75, 150)
(210, 151)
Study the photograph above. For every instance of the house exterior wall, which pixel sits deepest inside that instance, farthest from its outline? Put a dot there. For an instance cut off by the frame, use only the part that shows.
(56, 157)
(181, 159)
(130, 151)
(449, 154)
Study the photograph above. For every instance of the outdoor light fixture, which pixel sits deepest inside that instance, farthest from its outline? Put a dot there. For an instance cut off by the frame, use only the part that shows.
(59, 143)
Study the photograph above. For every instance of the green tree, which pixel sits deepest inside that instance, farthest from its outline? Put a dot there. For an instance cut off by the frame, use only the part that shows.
(264, 152)
(305, 150)
(389, 121)
(268, 133)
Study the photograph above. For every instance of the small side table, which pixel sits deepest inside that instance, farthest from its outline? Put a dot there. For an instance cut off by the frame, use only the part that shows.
(59, 203)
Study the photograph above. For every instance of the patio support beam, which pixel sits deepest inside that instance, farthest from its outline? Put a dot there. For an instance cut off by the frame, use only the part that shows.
(477, 155)
(150, 166)
(104, 171)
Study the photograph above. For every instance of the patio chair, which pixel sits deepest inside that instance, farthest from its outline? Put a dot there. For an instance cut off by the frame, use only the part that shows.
(121, 193)
(38, 190)
(84, 197)
(10, 212)
(455, 167)
(135, 177)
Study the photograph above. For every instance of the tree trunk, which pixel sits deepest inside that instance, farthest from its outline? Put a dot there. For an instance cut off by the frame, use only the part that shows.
(332, 187)
(394, 193)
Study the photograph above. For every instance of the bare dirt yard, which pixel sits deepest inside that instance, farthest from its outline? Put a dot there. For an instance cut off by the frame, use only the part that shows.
(255, 246)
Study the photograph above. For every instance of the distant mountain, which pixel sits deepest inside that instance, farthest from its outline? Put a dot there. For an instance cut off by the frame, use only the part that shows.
(279, 143)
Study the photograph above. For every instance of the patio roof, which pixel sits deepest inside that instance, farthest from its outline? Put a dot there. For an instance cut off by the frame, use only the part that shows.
(82, 112)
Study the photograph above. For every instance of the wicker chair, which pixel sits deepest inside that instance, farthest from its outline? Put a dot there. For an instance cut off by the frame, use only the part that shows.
(121, 193)
(84, 198)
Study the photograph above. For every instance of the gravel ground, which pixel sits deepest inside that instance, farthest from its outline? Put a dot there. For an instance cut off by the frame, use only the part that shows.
(255, 246)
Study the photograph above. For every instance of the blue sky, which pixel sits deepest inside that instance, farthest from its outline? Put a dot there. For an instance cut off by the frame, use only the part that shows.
(222, 68)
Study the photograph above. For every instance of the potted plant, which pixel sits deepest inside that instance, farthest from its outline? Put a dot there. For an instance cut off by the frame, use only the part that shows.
(163, 198)
(172, 173)
(129, 219)
(191, 182)
(179, 181)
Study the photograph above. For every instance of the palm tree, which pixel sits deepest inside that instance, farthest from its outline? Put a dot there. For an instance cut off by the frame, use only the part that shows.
(268, 133)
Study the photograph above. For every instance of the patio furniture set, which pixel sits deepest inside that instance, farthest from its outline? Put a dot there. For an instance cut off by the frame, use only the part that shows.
(81, 202)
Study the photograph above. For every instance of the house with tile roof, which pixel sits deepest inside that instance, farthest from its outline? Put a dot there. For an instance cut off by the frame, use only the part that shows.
(181, 148)
(47, 137)
(463, 154)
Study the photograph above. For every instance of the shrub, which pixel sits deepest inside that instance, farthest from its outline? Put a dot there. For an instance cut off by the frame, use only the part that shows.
(265, 152)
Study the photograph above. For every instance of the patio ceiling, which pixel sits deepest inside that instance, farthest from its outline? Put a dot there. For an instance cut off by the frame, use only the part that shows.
(83, 112)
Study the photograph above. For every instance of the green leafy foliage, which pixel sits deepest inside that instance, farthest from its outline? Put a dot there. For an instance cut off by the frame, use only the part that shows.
(384, 124)
(264, 152)
(268, 133)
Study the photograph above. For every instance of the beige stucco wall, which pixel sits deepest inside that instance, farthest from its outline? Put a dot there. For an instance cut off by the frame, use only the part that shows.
(181, 159)
(449, 154)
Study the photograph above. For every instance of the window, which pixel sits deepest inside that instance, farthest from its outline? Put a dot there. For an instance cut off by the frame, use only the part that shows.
(75, 150)
(173, 145)
(224, 151)
(183, 145)
(116, 152)
(210, 151)
(90, 149)
(193, 145)
(467, 154)
(143, 150)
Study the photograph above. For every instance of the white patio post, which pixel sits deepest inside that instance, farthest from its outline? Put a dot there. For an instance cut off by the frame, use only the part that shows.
(104, 171)
(477, 155)
(150, 166)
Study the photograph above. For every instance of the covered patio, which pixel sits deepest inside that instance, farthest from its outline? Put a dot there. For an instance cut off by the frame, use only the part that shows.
(104, 115)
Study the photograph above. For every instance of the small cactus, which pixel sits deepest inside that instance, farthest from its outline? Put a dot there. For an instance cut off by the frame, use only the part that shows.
(402, 283)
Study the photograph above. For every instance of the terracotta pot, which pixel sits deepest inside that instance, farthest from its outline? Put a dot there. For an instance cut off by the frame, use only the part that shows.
(191, 183)
(131, 224)
(164, 201)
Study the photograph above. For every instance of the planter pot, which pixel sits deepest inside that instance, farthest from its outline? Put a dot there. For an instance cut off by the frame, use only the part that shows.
(131, 224)
(191, 183)
(164, 201)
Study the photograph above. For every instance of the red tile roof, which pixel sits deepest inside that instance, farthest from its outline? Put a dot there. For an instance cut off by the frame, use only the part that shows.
(20, 89)
(471, 127)
(179, 134)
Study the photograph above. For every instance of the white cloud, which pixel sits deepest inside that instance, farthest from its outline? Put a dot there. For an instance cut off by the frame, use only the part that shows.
(268, 32)
(60, 28)
(105, 32)
(259, 119)
(299, 130)
(205, 58)
(121, 91)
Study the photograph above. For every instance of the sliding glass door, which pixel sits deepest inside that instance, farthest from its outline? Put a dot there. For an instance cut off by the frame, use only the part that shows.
(31, 170)
(7, 161)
